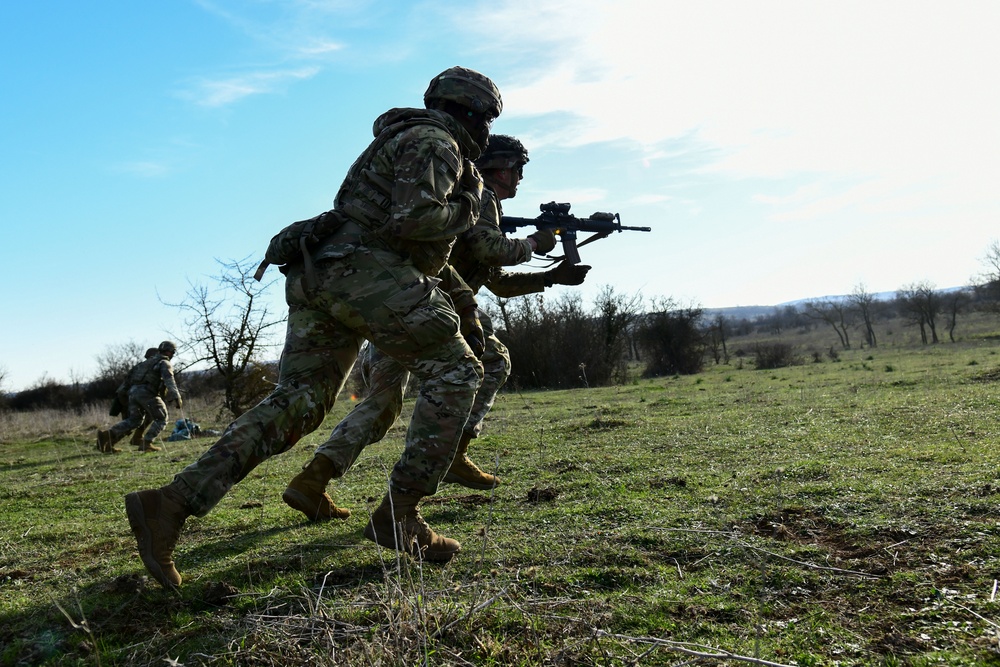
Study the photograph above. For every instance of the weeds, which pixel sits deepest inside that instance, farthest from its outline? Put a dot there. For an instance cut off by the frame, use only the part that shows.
(821, 515)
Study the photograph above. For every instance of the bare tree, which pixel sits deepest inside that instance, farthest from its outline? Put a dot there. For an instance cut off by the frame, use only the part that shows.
(837, 313)
(117, 360)
(920, 304)
(227, 327)
(616, 315)
(716, 339)
(864, 302)
(954, 303)
(987, 284)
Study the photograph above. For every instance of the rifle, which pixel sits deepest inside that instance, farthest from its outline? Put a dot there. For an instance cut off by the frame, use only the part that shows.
(558, 218)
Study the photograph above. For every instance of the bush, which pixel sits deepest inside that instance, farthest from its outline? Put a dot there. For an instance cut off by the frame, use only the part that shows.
(774, 355)
(672, 341)
(559, 344)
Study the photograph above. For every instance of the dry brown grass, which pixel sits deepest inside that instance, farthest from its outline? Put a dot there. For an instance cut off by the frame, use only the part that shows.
(53, 424)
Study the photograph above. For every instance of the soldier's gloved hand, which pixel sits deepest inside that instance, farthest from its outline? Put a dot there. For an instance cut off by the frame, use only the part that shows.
(545, 240)
(566, 274)
(176, 400)
(472, 330)
(471, 181)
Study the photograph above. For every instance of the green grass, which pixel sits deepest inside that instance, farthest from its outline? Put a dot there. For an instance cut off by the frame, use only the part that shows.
(840, 513)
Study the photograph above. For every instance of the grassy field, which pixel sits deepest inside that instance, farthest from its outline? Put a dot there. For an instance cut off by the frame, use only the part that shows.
(835, 513)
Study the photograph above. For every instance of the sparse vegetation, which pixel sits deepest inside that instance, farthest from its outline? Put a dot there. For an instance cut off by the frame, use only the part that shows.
(818, 514)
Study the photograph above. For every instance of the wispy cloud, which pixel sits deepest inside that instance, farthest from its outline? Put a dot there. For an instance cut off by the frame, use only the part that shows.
(888, 92)
(221, 92)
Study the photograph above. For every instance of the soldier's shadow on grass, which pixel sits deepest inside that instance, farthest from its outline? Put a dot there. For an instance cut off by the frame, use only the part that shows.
(238, 560)
(49, 463)
(222, 576)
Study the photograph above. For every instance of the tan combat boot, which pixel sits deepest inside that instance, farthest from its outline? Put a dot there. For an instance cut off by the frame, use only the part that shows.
(156, 517)
(104, 443)
(307, 492)
(397, 524)
(463, 471)
(145, 446)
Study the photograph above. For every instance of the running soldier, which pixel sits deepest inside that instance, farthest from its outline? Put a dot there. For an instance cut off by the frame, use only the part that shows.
(401, 205)
(478, 256)
(149, 381)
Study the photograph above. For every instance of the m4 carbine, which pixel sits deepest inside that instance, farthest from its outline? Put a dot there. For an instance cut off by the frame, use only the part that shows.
(558, 218)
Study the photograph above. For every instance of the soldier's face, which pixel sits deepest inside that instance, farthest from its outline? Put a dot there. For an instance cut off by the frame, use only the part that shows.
(504, 181)
(477, 125)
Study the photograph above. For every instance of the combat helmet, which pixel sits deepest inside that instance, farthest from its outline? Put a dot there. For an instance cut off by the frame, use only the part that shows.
(167, 347)
(467, 88)
(503, 152)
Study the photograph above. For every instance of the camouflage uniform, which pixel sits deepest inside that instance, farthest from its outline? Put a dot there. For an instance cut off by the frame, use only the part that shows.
(375, 279)
(149, 381)
(477, 257)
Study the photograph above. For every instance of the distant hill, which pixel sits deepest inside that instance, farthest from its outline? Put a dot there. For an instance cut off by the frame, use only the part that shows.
(751, 312)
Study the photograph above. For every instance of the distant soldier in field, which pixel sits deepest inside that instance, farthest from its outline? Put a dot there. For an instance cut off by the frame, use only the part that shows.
(478, 256)
(119, 406)
(374, 277)
(148, 381)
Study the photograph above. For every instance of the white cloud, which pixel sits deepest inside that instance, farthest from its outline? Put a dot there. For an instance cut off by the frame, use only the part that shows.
(896, 91)
(319, 47)
(216, 93)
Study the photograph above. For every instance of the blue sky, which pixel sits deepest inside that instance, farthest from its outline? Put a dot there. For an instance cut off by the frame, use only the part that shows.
(779, 150)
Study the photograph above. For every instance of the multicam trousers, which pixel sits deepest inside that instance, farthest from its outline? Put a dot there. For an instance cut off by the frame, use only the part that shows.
(365, 294)
(372, 418)
(143, 402)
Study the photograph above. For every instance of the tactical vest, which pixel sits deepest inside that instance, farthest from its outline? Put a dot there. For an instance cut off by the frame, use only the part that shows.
(147, 373)
(366, 196)
(473, 272)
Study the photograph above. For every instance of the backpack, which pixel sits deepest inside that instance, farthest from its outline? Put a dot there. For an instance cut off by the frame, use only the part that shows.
(293, 243)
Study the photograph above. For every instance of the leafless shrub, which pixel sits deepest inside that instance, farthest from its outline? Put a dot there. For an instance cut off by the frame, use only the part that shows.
(774, 355)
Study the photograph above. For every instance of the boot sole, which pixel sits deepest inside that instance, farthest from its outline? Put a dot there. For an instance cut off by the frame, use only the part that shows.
(390, 543)
(300, 503)
(137, 520)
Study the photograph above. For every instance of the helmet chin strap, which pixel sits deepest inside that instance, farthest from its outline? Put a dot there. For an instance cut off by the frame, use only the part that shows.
(504, 186)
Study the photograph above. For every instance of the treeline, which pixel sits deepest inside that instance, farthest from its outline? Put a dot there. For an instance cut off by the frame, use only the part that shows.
(553, 343)
(934, 314)
(114, 365)
(560, 343)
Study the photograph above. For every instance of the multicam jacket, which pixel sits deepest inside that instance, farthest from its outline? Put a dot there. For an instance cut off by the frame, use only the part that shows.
(480, 252)
(406, 191)
(156, 374)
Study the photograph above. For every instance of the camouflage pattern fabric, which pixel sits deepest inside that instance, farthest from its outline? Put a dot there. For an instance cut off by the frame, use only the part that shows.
(147, 384)
(408, 193)
(143, 403)
(368, 287)
(372, 418)
(479, 252)
(156, 373)
(370, 294)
